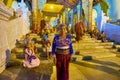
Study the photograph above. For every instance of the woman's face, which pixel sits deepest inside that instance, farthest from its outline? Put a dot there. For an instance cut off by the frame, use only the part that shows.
(28, 36)
(63, 30)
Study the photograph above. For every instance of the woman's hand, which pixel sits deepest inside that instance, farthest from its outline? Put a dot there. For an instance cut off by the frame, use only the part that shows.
(54, 59)
(54, 56)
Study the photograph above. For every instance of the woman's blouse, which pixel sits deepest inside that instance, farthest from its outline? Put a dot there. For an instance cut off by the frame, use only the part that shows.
(62, 44)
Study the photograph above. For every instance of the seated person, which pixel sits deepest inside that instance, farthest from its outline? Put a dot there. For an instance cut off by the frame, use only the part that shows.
(51, 29)
(47, 44)
(103, 38)
(31, 60)
(99, 37)
(45, 40)
(27, 39)
(91, 33)
(49, 50)
(95, 33)
(33, 47)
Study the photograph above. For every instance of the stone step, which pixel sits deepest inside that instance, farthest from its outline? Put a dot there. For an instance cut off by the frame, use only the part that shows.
(97, 53)
(76, 58)
(91, 47)
(74, 73)
(17, 50)
(107, 44)
(92, 44)
(92, 51)
(87, 34)
(39, 39)
(97, 43)
(118, 54)
(33, 34)
(104, 55)
(38, 45)
(12, 56)
(89, 56)
(34, 37)
(23, 37)
(21, 40)
(117, 46)
(84, 38)
(87, 41)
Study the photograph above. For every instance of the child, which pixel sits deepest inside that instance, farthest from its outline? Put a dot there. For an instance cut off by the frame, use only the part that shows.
(31, 60)
(33, 47)
(49, 50)
(27, 39)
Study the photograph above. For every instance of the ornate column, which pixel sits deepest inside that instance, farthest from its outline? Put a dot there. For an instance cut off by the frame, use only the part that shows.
(78, 12)
(2, 0)
(34, 14)
(72, 17)
(67, 15)
(63, 17)
(9, 3)
(90, 14)
(5, 12)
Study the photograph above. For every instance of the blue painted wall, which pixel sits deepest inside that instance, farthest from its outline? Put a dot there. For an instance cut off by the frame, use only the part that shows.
(41, 4)
(99, 16)
(112, 31)
(112, 11)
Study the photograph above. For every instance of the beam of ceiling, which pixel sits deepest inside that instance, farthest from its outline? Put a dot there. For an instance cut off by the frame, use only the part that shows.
(51, 1)
(50, 14)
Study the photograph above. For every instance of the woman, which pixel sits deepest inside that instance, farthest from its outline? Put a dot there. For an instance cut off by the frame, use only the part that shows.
(79, 29)
(30, 59)
(62, 51)
(27, 39)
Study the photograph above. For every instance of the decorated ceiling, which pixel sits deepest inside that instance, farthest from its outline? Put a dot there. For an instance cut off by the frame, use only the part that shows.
(52, 8)
(69, 3)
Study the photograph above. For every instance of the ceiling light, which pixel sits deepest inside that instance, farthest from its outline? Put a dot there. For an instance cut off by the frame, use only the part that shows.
(51, 7)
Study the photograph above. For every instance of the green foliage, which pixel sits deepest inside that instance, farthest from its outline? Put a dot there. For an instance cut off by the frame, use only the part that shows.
(104, 6)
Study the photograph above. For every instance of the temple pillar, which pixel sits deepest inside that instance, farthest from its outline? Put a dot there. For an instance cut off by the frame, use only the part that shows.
(9, 3)
(2, 0)
(39, 17)
(67, 16)
(90, 8)
(34, 14)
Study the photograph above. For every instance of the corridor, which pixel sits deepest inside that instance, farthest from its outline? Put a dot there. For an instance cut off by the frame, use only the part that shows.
(93, 26)
(104, 63)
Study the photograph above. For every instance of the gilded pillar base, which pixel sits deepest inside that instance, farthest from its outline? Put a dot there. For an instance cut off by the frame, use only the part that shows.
(9, 3)
(35, 27)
